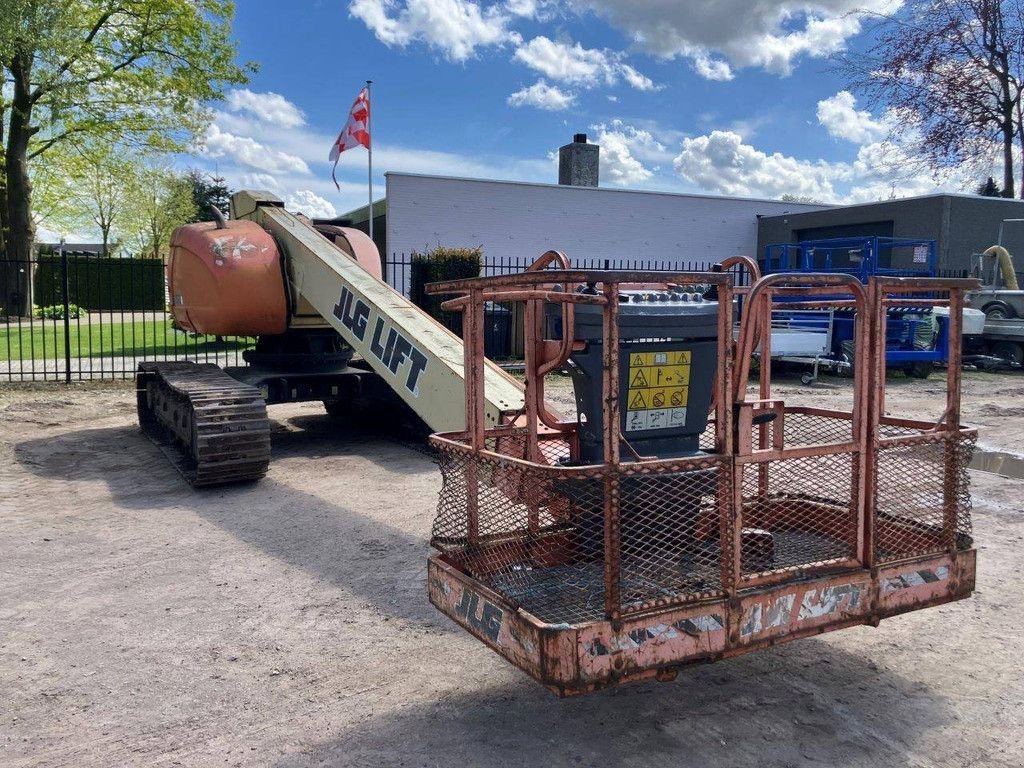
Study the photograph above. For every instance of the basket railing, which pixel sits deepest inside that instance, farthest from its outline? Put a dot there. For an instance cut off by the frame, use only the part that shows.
(784, 491)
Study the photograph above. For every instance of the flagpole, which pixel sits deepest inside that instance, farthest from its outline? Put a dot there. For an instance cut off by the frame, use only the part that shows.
(369, 155)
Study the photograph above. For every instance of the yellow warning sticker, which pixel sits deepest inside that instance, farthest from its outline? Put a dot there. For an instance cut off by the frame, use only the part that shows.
(638, 380)
(661, 397)
(658, 389)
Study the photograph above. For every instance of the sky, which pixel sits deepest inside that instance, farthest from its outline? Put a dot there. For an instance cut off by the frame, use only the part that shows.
(732, 97)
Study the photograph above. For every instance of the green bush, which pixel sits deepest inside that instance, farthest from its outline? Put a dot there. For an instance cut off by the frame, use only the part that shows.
(439, 264)
(96, 283)
(56, 312)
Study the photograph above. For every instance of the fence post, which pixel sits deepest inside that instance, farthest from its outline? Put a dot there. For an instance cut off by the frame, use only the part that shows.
(66, 299)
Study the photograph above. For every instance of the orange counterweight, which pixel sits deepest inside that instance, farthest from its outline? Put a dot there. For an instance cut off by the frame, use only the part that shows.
(228, 280)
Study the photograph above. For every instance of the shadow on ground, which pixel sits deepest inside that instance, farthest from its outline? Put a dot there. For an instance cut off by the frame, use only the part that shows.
(811, 703)
(376, 561)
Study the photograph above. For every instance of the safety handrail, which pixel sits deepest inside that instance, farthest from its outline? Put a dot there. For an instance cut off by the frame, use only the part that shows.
(812, 283)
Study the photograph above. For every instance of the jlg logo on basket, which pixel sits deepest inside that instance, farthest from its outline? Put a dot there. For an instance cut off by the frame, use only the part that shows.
(489, 620)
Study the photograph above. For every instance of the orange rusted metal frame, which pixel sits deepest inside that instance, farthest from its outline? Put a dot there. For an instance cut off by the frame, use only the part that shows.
(554, 654)
(582, 658)
(757, 316)
(511, 288)
(888, 292)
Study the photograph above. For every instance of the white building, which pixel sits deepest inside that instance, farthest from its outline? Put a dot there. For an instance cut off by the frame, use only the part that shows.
(519, 220)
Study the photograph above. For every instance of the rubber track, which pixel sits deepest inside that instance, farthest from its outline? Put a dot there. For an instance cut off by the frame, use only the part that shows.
(222, 433)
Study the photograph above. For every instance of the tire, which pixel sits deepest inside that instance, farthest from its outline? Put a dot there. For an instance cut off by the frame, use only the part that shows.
(919, 370)
(998, 310)
(806, 378)
(1010, 351)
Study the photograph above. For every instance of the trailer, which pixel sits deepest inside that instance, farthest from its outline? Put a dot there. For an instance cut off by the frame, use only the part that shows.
(804, 337)
(1002, 339)
(917, 337)
(1002, 301)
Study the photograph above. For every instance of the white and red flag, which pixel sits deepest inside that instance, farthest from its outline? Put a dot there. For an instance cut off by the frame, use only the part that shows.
(356, 131)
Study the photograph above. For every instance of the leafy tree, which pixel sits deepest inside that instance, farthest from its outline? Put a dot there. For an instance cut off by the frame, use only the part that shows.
(93, 187)
(208, 190)
(134, 72)
(161, 202)
(951, 71)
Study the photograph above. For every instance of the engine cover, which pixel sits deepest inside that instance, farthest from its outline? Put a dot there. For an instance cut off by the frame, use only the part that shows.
(227, 281)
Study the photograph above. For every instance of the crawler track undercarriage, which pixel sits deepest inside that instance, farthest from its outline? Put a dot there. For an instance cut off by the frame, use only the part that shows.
(213, 428)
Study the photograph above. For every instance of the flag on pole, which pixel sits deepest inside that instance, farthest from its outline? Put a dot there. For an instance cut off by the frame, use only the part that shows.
(356, 131)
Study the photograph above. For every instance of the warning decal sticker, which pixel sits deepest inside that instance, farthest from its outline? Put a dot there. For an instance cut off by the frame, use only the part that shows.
(659, 384)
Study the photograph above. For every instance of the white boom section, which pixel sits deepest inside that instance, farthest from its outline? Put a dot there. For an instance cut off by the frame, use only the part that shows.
(417, 356)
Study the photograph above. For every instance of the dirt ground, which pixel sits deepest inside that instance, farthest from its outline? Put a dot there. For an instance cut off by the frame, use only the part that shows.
(286, 623)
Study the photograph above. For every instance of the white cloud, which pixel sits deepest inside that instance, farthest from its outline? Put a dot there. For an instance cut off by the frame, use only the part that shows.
(721, 162)
(636, 79)
(841, 118)
(249, 152)
(268, 107)
(541, 10)
(624, 151)
(571, 63)
(725, 163)
(455, 27)
(618, 165)
(260, 181)
(525, 8)
(709, 68)
(542, 96)
(723, 35)
(310, 203)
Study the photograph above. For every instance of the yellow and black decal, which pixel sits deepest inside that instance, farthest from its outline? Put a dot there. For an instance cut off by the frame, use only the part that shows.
(658, 390)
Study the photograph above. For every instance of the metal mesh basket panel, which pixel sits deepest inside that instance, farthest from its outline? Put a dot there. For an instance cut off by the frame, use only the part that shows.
(670, 536)
(798, 513)
(919, 510)
(816, 429)
(538, 538)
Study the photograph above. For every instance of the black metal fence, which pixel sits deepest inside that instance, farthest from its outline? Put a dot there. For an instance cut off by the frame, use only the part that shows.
(73, 317)
(83, 317)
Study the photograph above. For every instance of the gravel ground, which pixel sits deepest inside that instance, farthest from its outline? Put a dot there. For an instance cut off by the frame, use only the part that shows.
(286, 623)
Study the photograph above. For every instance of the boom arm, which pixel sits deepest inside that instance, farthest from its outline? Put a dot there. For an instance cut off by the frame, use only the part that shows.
(418, 357)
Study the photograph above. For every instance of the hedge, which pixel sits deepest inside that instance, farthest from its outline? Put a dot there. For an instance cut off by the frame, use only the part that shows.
(102, 283)
(441, 264)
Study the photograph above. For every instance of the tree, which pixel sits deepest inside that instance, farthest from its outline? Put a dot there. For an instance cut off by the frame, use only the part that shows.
(951, 73)
(93, 189)
(990, 189)
(208, 190)
(161, 202)
(135, 72)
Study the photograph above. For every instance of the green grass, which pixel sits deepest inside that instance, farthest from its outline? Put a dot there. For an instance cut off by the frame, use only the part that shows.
(45, 340)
